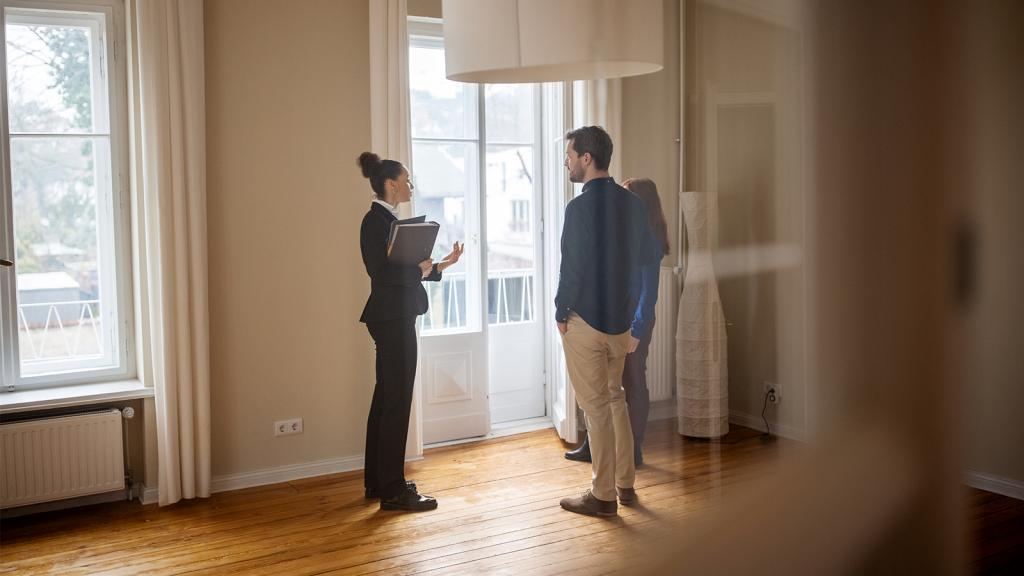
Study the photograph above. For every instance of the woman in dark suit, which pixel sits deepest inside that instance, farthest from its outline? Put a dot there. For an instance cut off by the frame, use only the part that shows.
(396, 299)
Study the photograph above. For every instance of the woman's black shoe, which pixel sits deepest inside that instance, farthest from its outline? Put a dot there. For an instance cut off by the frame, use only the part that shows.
(410, 500)
(581, 454)
(373, 494)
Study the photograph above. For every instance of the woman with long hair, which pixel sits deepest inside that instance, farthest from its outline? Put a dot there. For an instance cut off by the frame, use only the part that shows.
(396, 299)
(634, 375)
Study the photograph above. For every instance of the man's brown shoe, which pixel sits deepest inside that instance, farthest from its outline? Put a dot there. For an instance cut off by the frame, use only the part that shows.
(587, 504)
(627, 496)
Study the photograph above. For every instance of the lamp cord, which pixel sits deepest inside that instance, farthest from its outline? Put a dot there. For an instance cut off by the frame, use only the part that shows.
(763, 408)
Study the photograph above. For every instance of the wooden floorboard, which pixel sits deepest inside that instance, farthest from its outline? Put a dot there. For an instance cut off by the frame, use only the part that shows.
(498, 514)
(996, 526)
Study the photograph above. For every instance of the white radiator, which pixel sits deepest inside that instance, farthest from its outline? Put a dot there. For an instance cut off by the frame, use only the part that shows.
(60, 457)
(661, 362)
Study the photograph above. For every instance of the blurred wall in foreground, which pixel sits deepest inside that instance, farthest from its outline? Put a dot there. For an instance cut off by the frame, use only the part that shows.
(914, 165)
(993, 391)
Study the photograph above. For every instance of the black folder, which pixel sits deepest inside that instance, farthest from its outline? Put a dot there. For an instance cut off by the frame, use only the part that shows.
(411, 241)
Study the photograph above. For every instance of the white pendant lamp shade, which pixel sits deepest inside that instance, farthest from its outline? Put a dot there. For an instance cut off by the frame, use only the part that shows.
(513, 41)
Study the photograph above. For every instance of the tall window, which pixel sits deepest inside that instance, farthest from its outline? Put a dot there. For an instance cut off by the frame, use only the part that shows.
(64, 311)
(446, 168)
(473, 146)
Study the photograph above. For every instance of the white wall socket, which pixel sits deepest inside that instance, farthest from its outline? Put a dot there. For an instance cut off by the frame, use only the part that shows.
(284, 427)
(768, 387)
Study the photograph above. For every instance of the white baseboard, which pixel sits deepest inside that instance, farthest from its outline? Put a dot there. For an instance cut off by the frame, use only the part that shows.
(290, 472)
(150, 495)
(666, 409)
(992, 483)
(755, 422)
(285, 473)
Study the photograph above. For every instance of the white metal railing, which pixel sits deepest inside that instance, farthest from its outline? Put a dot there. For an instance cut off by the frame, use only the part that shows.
(447, 303)
(58, 338)
(522, 310)
(511, 299)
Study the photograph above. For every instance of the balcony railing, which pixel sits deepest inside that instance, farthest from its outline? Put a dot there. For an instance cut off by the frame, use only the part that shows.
(510, 299)
(66, 330)
(510, 295)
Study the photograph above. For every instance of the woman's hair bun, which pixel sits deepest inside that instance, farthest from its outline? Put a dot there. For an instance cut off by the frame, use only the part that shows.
(370, 163)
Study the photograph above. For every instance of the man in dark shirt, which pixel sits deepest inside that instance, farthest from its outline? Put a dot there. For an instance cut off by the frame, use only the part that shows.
(605, 241)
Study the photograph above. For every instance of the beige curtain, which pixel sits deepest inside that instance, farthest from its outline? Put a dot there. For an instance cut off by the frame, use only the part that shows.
(600, 104)
(390, 132)
(169, 190)
(389, 79)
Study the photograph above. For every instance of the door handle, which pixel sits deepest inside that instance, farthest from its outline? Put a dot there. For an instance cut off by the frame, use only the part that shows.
(6, 262)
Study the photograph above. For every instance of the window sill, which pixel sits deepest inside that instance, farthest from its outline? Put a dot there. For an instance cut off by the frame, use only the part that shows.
(78, 395)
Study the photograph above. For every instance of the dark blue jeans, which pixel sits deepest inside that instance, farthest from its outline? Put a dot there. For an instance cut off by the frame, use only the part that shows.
(634, 382)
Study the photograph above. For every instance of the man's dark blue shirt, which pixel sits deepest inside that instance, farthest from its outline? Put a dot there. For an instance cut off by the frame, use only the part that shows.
(605, 241)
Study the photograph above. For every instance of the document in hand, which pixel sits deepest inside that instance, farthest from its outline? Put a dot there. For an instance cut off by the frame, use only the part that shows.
(412, 240)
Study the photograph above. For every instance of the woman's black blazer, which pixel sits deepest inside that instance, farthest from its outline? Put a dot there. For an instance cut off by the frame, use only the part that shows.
(395, 291)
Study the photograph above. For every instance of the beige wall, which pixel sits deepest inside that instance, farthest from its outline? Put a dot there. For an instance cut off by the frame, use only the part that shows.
(287, 88)
(757, 164)
(743, 127)
(429, 8)
(649, 144)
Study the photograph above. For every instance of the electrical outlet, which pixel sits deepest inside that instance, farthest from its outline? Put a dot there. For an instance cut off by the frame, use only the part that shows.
(773, 391)
(285, 427)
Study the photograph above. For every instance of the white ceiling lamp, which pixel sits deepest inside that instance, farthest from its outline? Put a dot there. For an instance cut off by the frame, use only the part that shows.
(511, 41)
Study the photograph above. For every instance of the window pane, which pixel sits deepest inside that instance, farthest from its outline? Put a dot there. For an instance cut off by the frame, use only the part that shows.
(510, 233)
(446, 178)
(509, 113)
(64, 249)
(439, 107)
(510, 191)
(49, 74)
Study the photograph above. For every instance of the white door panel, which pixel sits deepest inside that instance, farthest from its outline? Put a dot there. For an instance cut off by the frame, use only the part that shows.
(516, 372)
(453, 397)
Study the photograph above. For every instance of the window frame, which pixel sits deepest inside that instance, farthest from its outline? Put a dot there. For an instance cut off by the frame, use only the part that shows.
(113, 209)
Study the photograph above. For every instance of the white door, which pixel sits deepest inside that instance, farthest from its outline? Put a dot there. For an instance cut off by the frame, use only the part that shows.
(488, 167)
(446, 168)
(514, 237)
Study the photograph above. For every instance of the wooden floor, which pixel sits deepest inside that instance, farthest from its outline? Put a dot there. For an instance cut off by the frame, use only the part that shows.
(997, 533)
(498, 513)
